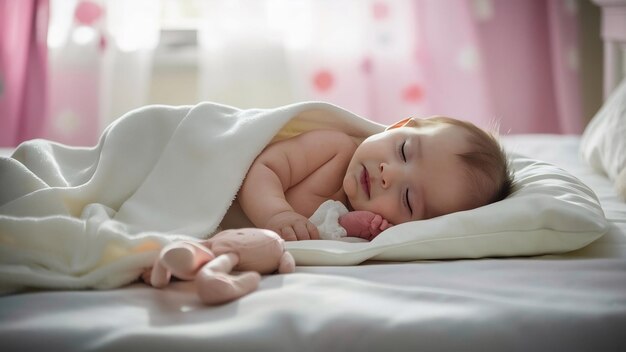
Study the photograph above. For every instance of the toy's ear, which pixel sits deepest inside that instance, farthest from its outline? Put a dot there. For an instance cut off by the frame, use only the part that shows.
(287, 264)
(184, 259)
(409, 121)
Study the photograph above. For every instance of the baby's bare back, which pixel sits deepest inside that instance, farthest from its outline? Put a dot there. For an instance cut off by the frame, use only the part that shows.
(290, 179)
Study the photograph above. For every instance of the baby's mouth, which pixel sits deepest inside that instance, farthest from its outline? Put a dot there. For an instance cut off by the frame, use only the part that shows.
(365, 181)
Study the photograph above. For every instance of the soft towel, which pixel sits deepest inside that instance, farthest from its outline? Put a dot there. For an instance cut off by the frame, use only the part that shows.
(97, 217)
(326, 219)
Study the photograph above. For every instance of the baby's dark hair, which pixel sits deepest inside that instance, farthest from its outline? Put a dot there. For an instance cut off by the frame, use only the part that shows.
(486, 162)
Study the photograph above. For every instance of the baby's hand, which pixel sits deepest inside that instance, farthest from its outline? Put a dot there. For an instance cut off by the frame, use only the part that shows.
(363, 224)
(292, 226)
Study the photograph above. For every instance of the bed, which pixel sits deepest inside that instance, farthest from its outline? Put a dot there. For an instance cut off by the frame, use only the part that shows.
(573, 301)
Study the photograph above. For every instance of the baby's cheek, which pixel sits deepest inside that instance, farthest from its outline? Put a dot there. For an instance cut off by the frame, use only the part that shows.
(350, 187)
(387, 209)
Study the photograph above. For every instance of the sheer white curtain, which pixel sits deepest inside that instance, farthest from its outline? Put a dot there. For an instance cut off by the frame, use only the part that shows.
(512, 62)
(271, 52)
(480, 60)
(133, 27)
(359, 54)
(243, 57)
(100, 55)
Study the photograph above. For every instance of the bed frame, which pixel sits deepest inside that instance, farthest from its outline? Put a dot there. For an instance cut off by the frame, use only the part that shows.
(614, 38)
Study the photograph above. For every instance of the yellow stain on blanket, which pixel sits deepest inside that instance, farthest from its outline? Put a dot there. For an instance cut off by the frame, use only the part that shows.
(314, 120)
(114, 251)
(304, 121)
(288, 131)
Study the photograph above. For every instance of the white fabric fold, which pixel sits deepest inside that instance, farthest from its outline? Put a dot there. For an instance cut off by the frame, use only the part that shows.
(603, 143)
(95, 217)
(326, 219)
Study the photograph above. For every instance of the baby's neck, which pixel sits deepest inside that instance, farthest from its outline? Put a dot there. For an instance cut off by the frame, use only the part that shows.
(343, 198)
(348, 205)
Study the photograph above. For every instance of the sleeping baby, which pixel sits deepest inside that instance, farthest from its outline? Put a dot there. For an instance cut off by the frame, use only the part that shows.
(416, 169)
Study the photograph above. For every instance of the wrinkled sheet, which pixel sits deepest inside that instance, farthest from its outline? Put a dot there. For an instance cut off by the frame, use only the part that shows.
(572, 302)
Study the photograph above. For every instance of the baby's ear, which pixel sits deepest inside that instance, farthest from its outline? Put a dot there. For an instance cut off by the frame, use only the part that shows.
(409, 121)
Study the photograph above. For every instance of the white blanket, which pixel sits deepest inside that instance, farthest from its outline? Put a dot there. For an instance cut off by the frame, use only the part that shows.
(96, 217)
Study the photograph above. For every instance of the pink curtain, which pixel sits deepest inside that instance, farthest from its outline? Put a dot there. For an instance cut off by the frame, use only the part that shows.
(23, 55)
(530, 51)
(69, 68)
(505, 61)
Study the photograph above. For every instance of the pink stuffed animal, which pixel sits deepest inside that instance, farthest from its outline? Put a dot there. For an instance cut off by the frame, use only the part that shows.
(254, 251)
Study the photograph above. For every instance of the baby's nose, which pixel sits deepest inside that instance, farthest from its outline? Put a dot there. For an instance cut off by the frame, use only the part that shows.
(386, 175)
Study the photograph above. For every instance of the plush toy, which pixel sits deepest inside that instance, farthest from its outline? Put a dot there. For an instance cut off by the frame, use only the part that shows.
(252, 251)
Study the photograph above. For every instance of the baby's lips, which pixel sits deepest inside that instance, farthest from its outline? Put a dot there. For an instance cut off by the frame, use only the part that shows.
(364, 180)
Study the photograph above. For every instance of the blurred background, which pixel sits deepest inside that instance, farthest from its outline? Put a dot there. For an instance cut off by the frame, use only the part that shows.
(68, 68)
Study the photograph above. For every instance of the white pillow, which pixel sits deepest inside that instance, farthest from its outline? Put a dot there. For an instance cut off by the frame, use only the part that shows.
(549, 211)
(603, 143)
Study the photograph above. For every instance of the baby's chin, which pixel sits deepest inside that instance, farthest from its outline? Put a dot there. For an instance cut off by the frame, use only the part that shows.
(349, 205)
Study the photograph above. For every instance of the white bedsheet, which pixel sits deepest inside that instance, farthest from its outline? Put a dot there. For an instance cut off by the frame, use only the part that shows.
(569, 302)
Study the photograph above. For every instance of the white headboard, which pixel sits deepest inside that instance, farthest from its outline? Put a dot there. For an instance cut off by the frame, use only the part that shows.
(614, 38)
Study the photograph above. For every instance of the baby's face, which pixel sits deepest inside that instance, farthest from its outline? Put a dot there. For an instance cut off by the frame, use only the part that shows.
(410, 173)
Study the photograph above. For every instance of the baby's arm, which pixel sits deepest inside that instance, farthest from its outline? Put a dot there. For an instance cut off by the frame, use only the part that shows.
(278, 168)
(262, 198)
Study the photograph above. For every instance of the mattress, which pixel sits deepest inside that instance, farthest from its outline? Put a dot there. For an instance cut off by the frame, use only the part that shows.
(574, 301)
